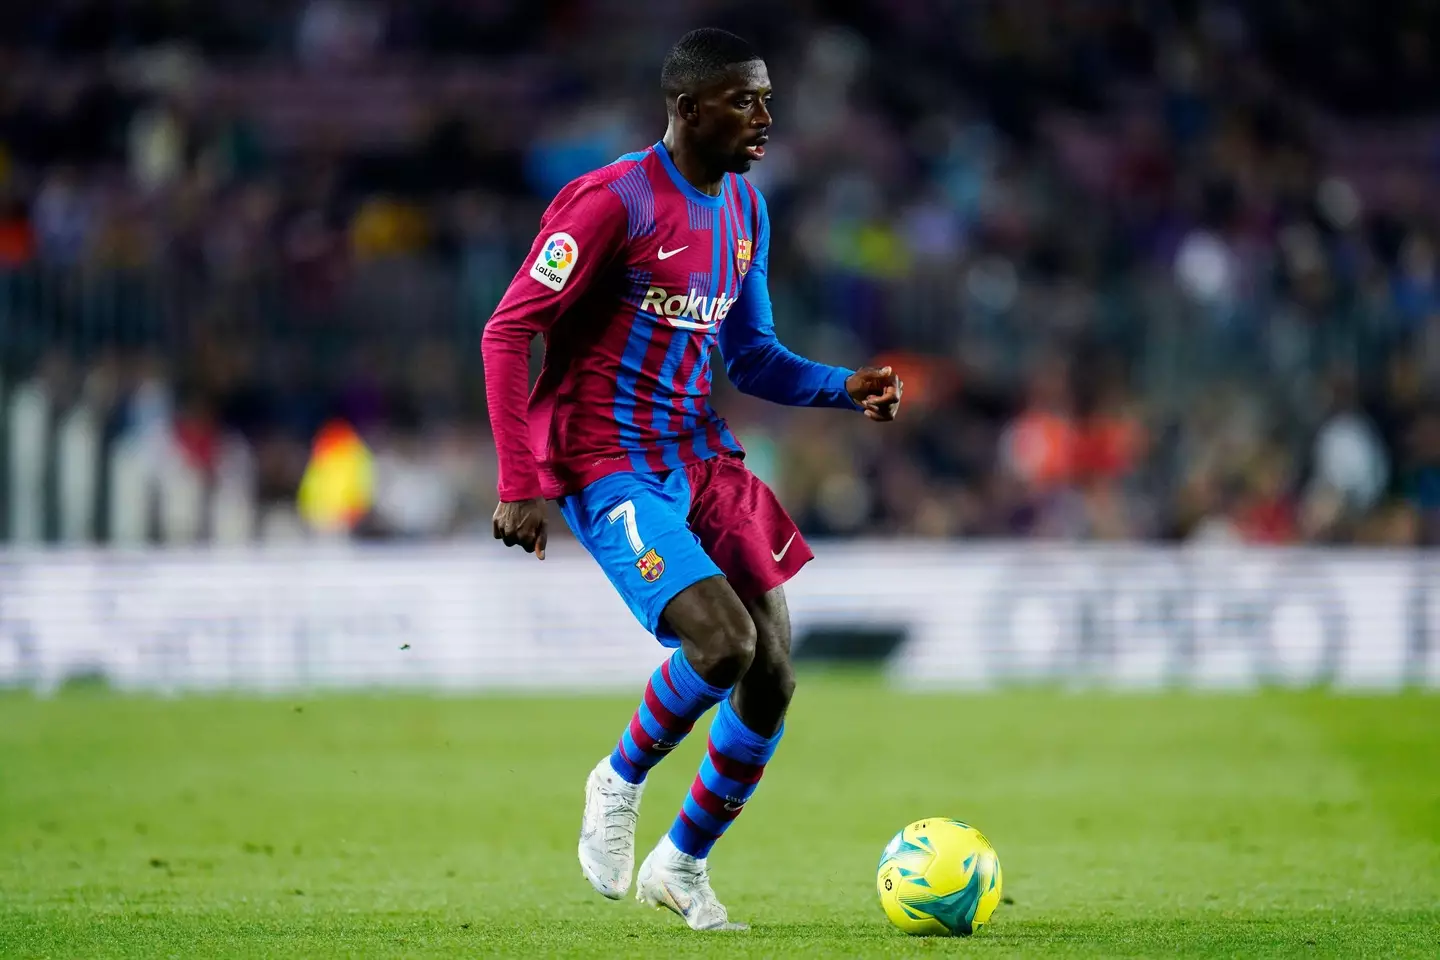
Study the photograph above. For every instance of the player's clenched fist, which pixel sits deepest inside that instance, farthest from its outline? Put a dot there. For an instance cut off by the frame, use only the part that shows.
(876, 391)
(522, 522)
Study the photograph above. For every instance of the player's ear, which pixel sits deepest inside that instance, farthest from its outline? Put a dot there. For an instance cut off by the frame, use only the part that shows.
(687, 108)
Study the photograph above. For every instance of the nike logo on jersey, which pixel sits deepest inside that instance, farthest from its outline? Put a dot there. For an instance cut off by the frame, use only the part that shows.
(783, 550)
(667, 254)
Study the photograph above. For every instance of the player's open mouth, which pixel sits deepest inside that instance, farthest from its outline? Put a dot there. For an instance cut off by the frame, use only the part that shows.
(756, 150)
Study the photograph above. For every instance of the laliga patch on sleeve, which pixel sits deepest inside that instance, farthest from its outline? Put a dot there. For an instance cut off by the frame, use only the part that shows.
(557, 258)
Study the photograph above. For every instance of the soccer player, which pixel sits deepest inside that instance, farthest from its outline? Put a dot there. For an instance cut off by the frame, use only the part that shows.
(639, 270)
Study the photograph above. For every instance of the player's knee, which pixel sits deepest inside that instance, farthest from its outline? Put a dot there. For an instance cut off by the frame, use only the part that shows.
(727, 648)
(716, 631)
(735, 648)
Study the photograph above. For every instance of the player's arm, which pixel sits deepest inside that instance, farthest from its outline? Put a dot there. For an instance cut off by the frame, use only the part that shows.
(760, 365)
(582, 231)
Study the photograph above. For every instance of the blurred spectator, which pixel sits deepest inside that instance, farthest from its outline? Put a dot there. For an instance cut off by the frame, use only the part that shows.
(17, 237)
(1350, 461)
(338, 33)
(64, 214)
(1041, 447)
(157, 146)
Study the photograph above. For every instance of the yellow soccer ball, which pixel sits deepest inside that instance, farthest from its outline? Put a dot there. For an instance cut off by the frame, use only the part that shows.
(939, 876)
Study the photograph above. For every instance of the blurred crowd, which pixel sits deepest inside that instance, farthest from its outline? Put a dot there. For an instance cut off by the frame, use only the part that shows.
(1151, 271)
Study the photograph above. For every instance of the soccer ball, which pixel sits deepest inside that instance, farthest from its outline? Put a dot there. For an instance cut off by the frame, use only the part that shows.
(939, 876)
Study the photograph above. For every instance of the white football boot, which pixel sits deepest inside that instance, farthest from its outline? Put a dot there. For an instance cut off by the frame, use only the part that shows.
(680, 883)
(607, 832)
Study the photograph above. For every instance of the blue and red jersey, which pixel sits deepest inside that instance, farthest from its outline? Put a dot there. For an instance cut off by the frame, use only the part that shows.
(633, 280)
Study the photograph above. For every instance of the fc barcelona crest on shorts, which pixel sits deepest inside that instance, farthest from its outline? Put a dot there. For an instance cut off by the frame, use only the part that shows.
(742, 256)
(651, 566)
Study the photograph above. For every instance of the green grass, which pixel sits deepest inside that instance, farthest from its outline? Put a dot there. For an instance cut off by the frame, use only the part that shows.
(1269, 825)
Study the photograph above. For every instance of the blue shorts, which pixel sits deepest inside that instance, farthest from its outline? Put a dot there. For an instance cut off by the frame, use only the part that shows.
(655, 534)
(636, 527)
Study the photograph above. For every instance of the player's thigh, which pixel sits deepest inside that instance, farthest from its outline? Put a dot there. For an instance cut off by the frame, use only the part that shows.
(634, 525)
(744, 529)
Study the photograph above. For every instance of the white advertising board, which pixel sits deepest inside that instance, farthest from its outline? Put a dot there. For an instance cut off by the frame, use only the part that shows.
(478, 617)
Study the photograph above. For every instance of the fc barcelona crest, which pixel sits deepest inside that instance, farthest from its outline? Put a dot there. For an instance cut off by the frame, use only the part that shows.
(651, 566)
(742, 255)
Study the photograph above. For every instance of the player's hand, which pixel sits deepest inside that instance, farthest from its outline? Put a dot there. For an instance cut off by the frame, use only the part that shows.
(522, 522)
(876, 391)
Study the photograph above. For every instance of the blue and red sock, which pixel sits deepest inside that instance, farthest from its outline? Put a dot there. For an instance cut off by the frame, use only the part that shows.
(675, 697)
(728, 776)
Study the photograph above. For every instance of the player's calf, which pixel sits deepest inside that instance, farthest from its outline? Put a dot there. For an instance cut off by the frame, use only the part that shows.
(763, 695)
(675, 697)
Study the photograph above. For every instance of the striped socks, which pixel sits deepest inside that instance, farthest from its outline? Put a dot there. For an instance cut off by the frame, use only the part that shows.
(728, 775)
(675, 697)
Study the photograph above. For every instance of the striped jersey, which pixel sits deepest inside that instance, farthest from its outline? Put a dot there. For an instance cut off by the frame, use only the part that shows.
(634, 279)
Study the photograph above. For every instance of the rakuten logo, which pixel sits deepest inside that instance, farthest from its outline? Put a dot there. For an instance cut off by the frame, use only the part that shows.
(705, 312)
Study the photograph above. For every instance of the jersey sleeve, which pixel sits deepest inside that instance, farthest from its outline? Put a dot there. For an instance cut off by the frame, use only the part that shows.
(581, 233)
(755, 359)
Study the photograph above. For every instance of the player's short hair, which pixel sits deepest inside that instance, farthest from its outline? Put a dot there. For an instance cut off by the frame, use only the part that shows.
(702, 57)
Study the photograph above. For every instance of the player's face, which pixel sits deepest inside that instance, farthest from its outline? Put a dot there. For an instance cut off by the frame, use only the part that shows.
(734, 117)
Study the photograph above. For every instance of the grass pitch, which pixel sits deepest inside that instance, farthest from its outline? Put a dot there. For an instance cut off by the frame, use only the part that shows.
(1167, 825)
